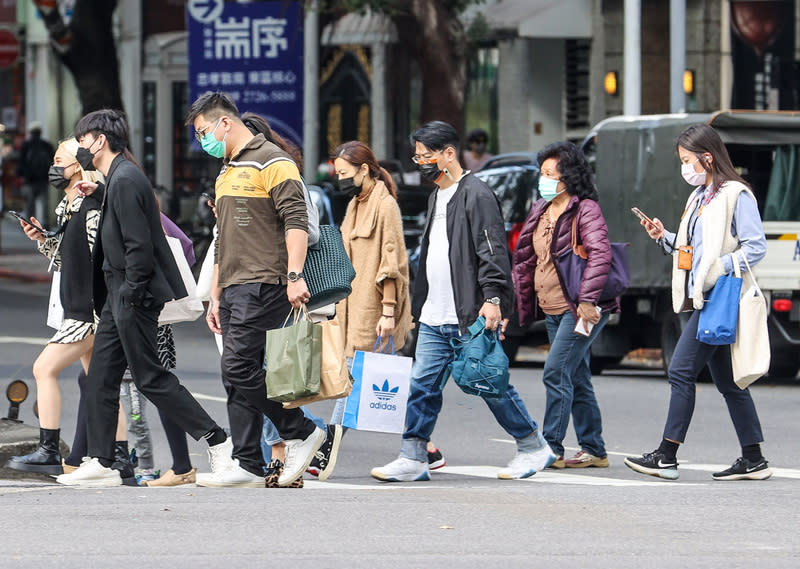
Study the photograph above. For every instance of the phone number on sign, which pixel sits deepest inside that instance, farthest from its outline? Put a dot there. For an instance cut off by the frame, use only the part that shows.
(269, 97)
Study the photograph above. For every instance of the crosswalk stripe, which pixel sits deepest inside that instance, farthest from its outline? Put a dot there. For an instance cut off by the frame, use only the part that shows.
(684, 464)
(560, 477)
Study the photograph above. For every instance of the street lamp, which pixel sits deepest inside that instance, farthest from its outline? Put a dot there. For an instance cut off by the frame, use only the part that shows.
(16, 392)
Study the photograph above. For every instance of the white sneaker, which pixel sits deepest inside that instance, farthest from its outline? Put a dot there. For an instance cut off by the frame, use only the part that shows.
(527, 464)
(402, 470)
(91, 474)
(299, 453)
(220, 457)
(233, 477)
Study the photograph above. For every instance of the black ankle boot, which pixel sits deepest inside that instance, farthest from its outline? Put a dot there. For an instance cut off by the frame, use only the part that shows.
(45, 459)
(122, 462)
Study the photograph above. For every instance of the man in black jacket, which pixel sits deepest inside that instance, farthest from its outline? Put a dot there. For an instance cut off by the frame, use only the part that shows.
(135, 274)
(464, 272)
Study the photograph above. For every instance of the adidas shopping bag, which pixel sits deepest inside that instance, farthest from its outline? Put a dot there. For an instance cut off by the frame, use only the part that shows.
(380, 391)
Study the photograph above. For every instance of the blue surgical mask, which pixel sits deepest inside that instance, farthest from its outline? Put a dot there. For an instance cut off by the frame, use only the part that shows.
(548, 188)
(211, 145)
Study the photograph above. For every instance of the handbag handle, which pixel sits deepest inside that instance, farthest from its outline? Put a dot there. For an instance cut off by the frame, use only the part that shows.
(299, 314)
(378, 347)
(749, 270)
(579, 250)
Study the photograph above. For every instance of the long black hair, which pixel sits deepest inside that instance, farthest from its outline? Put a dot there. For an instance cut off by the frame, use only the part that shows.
(575, 171)
(701, 139)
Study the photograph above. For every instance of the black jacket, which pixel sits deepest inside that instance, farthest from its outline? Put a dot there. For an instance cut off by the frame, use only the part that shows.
(76, 262)
(480, 266)
(131, 246)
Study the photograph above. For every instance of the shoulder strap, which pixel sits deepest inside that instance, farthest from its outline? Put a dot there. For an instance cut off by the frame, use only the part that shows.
(579, 250)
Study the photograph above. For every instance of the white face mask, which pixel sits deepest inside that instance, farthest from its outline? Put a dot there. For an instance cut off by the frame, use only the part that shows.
(692, 177)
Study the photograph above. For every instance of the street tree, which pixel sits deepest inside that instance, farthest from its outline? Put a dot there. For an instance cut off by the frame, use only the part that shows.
(84, 43)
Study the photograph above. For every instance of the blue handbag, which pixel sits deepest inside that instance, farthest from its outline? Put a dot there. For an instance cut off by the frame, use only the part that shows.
(720, 313)
(480, 366)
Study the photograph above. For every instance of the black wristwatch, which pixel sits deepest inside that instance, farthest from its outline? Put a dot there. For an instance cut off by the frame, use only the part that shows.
(494, 300)
(292, 276)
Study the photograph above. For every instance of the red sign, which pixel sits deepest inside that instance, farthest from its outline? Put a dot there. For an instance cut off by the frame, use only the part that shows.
(9, 48)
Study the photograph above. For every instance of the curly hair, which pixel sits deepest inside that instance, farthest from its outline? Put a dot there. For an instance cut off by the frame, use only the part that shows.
(575, 171)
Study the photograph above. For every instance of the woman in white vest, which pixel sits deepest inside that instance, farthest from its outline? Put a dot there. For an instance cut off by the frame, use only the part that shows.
(721, 217)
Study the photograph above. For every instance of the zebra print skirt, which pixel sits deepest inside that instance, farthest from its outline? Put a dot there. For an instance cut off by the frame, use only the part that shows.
(72, 331)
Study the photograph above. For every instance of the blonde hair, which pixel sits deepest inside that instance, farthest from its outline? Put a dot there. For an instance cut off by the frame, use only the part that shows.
(70, 146)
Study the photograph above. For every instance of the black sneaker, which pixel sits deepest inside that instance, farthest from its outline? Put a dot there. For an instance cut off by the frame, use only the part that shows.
(655, 464)
(435, 459)
(743, 469)
(324, 460)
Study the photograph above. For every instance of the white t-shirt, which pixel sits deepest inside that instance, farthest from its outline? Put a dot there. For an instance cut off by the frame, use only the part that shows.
(440, 306)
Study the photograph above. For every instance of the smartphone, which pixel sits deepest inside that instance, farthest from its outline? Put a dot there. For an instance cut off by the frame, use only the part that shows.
(208, 197)
(22, 217)
(640, 214)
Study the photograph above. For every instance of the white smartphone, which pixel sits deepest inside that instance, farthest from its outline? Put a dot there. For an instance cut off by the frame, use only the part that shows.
(579, 325)
(579, 329)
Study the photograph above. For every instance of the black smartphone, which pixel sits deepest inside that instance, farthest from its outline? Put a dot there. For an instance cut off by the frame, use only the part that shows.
(208, 197)
(22, 217)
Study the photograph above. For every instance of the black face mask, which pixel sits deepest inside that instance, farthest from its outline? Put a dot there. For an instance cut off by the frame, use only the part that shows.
(55, 175)
(347, 186)
(85, 158)
(430, 172)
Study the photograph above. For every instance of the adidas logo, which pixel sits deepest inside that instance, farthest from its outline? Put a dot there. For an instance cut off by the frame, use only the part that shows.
(383, 393)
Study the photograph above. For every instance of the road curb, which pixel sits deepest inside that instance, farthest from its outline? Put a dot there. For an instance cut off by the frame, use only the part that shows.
(24, 277)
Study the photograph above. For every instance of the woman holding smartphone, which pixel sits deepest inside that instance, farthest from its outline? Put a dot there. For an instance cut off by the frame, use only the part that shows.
(721, 218)
(71, 254)
(568, 204)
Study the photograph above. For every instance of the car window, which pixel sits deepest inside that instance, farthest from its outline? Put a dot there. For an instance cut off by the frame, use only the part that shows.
(515, 187)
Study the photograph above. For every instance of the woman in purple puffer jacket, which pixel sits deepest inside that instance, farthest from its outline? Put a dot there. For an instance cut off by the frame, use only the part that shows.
(568, 201)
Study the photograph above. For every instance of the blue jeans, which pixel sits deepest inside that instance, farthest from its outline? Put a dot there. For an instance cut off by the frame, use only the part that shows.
(568, 383)
(687, 362)
(433, 355)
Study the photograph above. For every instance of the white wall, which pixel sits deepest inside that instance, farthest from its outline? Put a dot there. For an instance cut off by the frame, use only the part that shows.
(531, 80)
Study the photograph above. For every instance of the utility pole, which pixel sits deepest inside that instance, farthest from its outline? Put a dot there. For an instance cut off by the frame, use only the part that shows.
(311, 91)
(677, 55)
(632, 79)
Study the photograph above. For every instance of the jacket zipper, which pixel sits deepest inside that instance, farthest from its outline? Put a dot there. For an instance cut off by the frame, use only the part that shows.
(488, 242)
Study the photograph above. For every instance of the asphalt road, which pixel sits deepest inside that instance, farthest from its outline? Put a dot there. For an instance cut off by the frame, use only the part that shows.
(463, 517)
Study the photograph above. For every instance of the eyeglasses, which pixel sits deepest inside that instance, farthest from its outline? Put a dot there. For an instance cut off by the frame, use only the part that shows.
(425, 158)
(199, 134)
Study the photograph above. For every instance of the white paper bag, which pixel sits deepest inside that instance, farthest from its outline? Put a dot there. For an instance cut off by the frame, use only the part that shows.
(380, 393)
(189, 307)
(55, 312)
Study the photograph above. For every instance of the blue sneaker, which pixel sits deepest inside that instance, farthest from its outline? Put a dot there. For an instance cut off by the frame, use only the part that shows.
(146, 475)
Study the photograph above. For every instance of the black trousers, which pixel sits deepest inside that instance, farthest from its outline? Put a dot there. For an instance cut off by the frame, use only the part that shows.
(246, 312)
(126, 337)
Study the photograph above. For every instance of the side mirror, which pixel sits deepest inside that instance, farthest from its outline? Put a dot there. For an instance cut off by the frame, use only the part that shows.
(16, 392)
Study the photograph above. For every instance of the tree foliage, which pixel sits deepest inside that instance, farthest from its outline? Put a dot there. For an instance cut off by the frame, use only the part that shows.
(85, 46)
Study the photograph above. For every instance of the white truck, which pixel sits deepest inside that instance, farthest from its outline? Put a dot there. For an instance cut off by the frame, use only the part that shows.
(636, 164)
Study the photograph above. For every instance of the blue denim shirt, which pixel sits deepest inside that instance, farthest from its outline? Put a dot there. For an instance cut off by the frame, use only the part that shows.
(746, 225)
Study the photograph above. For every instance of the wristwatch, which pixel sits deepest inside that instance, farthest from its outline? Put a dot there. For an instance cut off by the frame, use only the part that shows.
(494, 300)
(293, 276)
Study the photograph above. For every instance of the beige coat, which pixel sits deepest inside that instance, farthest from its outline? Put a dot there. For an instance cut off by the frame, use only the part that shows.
(377, 249)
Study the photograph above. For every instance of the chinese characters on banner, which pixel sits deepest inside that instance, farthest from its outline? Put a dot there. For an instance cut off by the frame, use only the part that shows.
(254, 52)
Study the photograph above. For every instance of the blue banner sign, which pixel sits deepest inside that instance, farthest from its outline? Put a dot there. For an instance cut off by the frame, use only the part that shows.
(254, 52)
